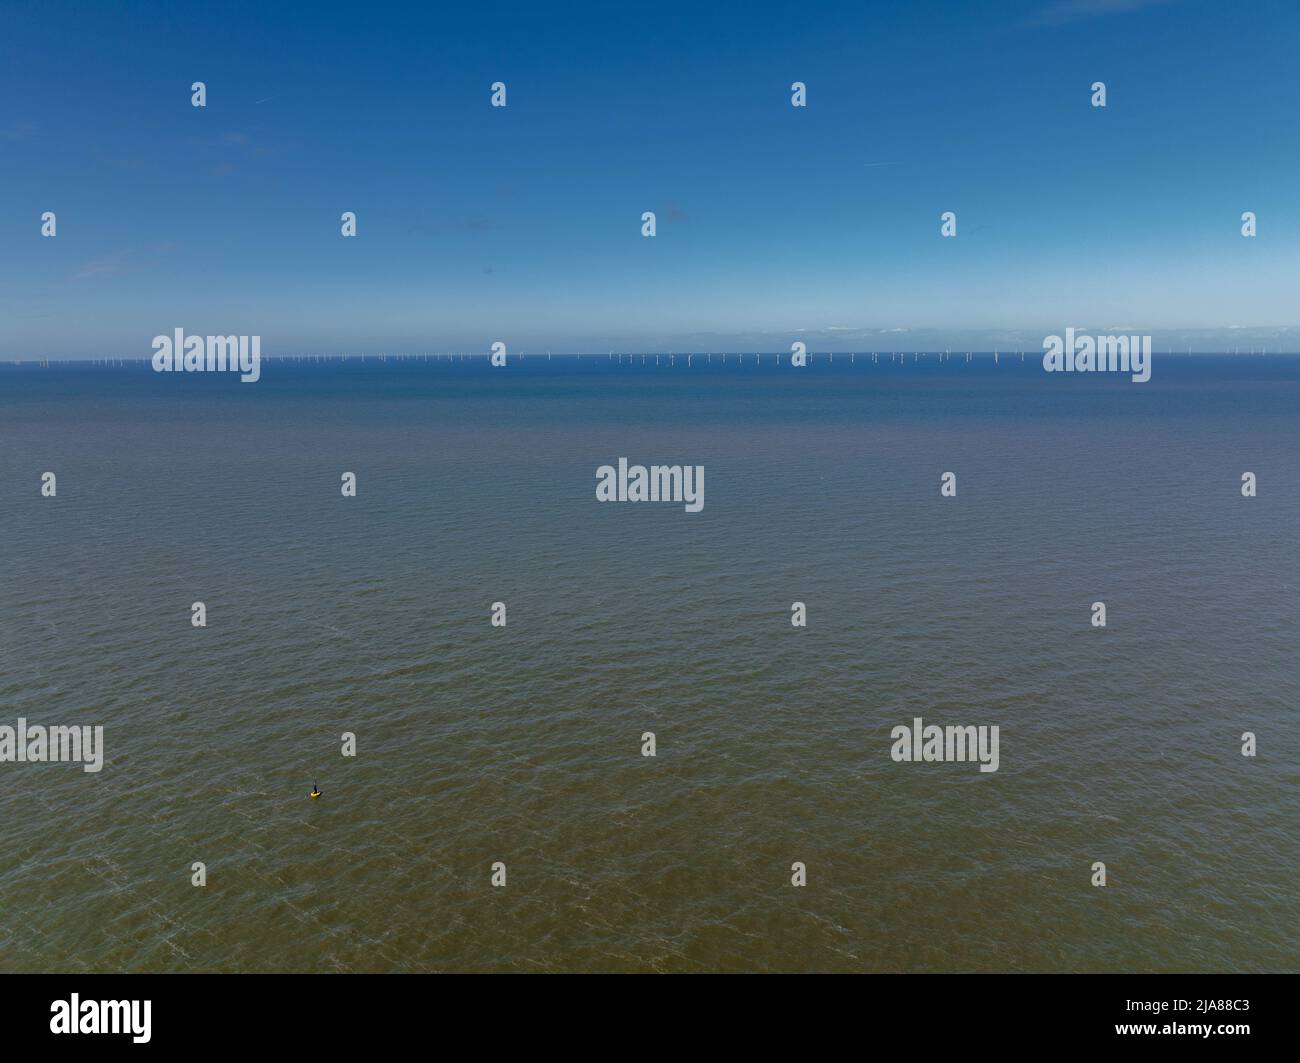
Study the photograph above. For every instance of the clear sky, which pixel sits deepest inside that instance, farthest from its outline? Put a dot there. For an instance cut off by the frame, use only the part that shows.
(522, 223)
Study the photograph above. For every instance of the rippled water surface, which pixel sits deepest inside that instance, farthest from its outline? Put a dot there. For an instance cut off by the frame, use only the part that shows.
(523, 744)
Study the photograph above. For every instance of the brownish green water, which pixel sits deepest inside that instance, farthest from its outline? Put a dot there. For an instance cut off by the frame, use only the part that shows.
(523, 744)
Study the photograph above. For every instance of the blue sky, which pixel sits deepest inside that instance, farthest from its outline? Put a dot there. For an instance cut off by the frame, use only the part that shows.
(523, 224)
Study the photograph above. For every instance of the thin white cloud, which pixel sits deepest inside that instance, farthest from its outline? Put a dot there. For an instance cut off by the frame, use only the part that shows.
(1062, 12)
(17, 131)
(104, 266)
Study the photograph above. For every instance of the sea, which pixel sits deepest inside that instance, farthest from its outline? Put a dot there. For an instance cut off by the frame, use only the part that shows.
(515, 754)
